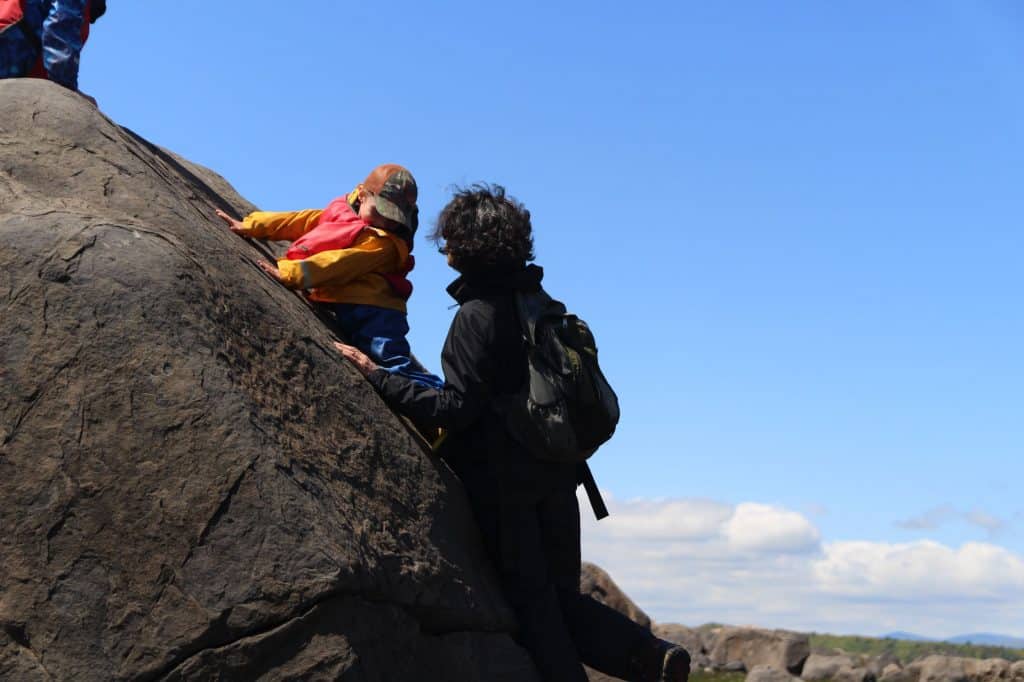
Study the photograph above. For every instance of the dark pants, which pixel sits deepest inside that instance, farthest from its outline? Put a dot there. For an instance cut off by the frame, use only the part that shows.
(536, 549)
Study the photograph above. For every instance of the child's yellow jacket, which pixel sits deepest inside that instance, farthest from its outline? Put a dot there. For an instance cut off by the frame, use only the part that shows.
(336, 256)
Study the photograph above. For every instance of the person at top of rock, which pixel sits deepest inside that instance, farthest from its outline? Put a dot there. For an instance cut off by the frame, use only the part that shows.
(353, 259)
(44, 38)
(526, 507)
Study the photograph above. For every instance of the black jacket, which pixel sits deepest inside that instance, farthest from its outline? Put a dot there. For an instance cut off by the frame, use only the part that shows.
(484, 356)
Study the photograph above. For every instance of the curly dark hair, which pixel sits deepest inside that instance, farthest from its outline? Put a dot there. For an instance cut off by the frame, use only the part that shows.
(484, 231)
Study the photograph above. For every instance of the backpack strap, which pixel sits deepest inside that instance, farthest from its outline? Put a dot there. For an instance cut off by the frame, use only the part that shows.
(532, 307)
(527, 324)
(593, 492)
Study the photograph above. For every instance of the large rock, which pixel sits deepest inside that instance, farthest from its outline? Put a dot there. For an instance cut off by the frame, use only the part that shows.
(822, 667)
(877, 664)
(958, 669)
(938, 668)
(780, 649)
(686, 637)
(767, 673)
(855, 674)
(837, 668)
(194, 484)
(894, 672)
(689, 638)
(596, 582)
(987, 669)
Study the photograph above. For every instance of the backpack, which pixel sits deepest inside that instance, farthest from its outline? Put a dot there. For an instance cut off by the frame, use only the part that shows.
(567, 409)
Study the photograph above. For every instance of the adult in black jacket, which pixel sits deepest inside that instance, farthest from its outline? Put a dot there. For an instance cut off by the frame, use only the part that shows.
(526, 507)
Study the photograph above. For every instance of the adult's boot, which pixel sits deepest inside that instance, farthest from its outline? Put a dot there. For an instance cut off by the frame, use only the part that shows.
(661, 661)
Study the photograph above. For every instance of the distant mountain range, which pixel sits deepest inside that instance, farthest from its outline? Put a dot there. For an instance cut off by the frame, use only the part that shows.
(907, 636)
(984, 638)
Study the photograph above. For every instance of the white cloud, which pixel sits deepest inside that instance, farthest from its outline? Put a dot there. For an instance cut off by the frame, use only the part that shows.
(982, 520)
(931, 519)
(680, 520)
(947, 513)
(763, 528)
(694, 561)
(747, 527)
(922, 569)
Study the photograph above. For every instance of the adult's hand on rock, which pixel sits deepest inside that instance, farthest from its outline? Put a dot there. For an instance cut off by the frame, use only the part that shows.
(236, 226)
(357, 357)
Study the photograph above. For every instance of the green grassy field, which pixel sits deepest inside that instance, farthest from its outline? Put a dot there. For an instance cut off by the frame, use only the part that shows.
(907, 651)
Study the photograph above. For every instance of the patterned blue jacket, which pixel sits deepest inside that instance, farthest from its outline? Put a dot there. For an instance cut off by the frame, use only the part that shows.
(57, 26)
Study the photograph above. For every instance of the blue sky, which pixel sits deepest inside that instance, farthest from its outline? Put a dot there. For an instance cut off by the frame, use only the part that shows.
(793, 226)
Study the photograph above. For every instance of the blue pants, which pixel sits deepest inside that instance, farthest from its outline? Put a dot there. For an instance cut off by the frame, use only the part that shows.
(17, 55)
(380, 333)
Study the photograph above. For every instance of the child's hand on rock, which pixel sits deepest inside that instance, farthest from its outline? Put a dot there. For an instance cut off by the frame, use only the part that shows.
(357, 357)
(235, 226)
(271, 270)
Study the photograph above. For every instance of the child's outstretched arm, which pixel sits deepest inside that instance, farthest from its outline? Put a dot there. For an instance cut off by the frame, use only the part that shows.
(239, 228)
(274, 225)
(236, 226)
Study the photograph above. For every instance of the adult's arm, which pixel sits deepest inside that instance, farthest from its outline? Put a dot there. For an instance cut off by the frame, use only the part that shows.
(469, 365)
(62, 41)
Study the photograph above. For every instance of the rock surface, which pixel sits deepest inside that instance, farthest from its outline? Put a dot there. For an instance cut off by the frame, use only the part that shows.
(855, 674)
(837, 668)
(938, 669)
(893, 672)
(690, 639)
(957, 669)
(780, 649)
(988, 669)
(821, 667)
(767, 673)
(195, 485)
